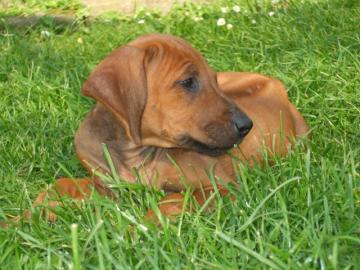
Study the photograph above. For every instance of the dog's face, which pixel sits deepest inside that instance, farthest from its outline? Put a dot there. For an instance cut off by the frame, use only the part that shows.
(166, 95)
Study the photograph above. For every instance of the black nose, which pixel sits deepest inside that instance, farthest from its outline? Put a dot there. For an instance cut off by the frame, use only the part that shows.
(242, 123)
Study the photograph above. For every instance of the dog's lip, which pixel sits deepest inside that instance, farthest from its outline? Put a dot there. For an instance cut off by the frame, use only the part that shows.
(202, 148)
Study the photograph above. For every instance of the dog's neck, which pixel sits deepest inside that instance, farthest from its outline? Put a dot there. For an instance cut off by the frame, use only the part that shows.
(139, 158)
(102, 127)
(138, 155)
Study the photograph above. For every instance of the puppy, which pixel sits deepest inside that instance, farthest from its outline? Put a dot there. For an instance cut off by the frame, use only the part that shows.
(164, 113)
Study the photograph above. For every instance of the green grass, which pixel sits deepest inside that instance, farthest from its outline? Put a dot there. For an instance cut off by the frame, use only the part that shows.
(303, 212)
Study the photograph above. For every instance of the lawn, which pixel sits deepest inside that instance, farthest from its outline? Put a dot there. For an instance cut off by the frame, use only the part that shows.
(302, 212)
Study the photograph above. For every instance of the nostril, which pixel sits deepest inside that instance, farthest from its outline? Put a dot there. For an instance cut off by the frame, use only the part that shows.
(243, 130)
(243, 125)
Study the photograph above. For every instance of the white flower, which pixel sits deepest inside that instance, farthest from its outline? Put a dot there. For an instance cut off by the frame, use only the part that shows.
(224, 9)
(196, 18)
(141, 21)
(80, 40)
(271, 13)
(45, 33)
(187, 13)
(229, 26)
(253, 21)
(221, 22)
(236, 9)
(274, 2)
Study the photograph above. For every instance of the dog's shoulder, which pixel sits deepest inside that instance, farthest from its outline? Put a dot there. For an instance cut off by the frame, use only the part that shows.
(98, 128)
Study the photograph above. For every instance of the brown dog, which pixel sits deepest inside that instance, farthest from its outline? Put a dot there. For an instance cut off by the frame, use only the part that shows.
(159, 103)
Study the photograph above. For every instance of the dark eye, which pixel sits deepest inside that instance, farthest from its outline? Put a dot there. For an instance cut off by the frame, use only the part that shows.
(190, 84)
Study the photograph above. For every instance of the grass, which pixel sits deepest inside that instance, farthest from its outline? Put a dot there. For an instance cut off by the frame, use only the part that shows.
(302, 212)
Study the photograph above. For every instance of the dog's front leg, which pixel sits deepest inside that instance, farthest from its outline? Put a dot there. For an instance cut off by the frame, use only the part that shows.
(78, 189)
(172, 205)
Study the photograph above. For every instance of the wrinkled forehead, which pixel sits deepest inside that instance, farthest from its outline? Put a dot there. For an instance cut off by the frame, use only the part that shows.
(171, 54)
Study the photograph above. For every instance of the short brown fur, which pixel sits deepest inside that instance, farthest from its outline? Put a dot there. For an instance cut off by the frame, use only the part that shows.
(146, 119)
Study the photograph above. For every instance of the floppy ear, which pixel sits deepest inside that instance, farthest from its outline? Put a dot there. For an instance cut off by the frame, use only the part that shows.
(119, 83)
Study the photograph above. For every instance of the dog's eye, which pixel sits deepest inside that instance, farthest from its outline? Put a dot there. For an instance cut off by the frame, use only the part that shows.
(190, 84)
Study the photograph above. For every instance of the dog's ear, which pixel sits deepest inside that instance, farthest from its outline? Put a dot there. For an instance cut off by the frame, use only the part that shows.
(119, 82)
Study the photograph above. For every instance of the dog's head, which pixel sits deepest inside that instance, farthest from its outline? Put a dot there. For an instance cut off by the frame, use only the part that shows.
(165, 94)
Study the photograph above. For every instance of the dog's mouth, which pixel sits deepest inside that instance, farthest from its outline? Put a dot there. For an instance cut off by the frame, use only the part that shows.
(206, 149)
